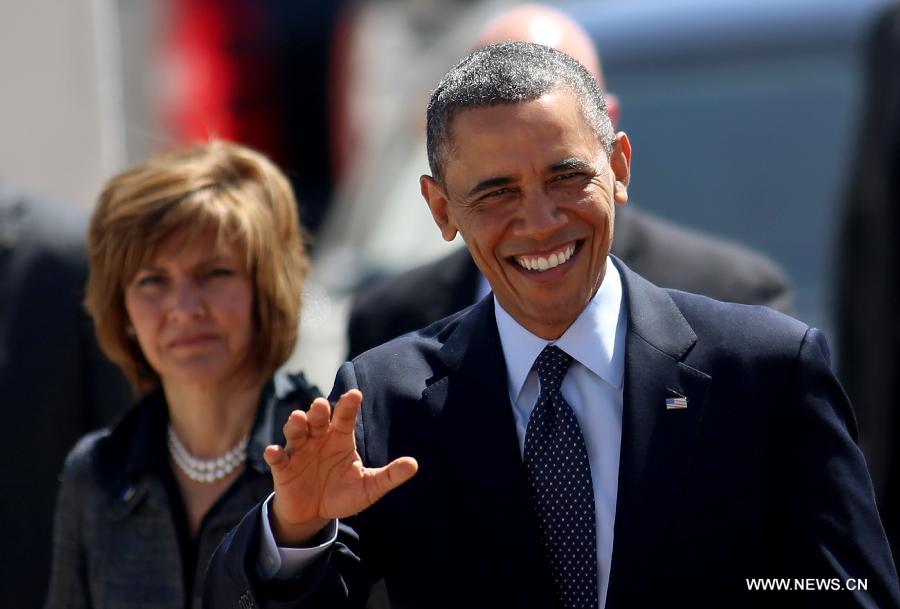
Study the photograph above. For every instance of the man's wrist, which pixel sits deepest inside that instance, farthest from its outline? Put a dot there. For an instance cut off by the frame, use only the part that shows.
(295, 535)
(274, 562)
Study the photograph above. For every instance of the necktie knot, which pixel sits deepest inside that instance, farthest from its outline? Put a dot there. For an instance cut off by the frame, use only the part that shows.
(552, 364)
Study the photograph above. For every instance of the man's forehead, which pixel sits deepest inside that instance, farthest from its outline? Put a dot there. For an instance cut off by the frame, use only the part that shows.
(476, 118)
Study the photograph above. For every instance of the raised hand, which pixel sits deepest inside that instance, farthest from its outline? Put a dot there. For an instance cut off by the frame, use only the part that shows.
(318, 474)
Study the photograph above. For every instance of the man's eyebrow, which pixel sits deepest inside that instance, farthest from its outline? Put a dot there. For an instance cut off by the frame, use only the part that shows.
(488, 184)
(569, 164)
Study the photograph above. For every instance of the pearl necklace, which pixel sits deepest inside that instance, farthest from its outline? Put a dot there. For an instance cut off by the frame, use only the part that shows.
(206, 470)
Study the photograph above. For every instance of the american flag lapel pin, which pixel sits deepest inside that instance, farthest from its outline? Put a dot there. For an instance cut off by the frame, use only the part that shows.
(676, 401)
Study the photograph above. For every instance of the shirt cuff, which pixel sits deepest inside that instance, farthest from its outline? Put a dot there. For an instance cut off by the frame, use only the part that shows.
(283, 563)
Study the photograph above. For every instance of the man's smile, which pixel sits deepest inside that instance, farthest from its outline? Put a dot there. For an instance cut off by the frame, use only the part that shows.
(540, 262)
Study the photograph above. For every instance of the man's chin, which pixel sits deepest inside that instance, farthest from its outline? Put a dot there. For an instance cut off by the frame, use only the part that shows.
(549, 320)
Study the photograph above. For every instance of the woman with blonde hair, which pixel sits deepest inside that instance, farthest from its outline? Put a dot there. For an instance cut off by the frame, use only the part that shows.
(196, 269)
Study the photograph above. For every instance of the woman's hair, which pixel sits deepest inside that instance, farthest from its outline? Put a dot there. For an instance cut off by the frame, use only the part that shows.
(219, 187)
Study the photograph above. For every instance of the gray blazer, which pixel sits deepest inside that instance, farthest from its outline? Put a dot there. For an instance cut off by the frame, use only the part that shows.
(116, 544)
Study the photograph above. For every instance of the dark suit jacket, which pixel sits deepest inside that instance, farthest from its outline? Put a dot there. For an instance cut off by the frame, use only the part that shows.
(55, 384)
(668, 255)
(759, 477)
(869, 271)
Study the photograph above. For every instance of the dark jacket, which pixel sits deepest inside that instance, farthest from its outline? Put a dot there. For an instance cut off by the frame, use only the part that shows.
(115, 538)
(759, 476)
(868, 262)
(55, 384)
(668, 255)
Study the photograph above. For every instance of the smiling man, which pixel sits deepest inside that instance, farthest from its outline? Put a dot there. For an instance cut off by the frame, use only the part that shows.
(532, 189)
(579, 439)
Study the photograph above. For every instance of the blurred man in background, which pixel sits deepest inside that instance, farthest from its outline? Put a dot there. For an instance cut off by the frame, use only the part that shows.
(668, 255)
(55, 384)
(869, 281)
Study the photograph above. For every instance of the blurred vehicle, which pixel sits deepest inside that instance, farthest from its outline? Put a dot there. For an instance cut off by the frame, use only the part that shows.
(741, 115)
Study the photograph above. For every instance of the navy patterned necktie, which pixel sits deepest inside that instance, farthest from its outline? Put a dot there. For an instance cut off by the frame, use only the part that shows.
(562, 495)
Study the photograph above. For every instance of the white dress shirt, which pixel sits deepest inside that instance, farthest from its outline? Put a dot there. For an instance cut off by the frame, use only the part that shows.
(593, 387)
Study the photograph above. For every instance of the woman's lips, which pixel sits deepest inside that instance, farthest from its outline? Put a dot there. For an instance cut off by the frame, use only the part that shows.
(192, 340)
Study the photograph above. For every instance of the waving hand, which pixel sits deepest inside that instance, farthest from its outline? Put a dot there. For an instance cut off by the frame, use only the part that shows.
(318, 474)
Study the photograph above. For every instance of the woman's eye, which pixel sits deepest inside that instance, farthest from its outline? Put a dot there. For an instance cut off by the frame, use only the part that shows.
(149, 280)
(220, 272)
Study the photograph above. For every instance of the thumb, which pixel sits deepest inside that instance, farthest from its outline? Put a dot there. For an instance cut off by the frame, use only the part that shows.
(385, 479)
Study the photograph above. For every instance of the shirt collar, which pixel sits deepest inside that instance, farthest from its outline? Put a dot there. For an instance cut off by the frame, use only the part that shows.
(595, 339)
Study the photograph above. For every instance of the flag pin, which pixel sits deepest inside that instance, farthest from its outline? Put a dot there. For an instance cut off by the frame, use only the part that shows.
(679, 402)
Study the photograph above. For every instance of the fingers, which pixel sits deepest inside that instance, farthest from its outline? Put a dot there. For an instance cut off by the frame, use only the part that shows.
(318, 417)
(314, 425)
(275, 456)
(346, 411)
(296, 430)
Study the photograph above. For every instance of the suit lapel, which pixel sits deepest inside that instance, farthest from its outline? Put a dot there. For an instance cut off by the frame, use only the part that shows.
(478, 448)
(657, 441)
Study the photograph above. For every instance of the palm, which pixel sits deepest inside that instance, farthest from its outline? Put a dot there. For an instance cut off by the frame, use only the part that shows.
(325, 479)
(318, 475)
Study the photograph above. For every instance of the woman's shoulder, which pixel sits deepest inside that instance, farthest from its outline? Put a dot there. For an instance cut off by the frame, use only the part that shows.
(81, 462)
(294, 388)
(83, 485)
(102, 456)
(288, 391)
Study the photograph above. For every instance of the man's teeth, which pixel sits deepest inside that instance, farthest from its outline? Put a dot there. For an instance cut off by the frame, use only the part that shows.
(541, 263)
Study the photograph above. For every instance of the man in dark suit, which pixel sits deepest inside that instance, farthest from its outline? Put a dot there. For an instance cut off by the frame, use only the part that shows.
(55, 384)
(582, 438)
(668, 255)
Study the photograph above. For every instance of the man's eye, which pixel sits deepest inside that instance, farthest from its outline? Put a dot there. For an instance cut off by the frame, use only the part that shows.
(497, 193)
(567, 176)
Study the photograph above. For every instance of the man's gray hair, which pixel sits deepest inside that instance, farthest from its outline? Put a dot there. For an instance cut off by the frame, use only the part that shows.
(510, 73)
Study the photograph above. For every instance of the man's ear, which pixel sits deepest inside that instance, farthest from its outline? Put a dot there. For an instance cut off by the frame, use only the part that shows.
(438, 204)
(620, 162)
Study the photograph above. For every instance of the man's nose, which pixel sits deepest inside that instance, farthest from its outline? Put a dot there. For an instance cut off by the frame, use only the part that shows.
(539, 215)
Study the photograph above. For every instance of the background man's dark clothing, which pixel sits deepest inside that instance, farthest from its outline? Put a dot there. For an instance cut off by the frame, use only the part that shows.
(55, 384)
(868, 291)
(668, 255)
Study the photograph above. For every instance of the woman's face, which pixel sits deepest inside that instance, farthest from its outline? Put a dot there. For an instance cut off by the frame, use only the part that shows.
(191, 307)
